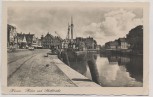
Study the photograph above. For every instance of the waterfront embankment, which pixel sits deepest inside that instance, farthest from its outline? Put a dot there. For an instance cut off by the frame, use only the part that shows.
(36, 69)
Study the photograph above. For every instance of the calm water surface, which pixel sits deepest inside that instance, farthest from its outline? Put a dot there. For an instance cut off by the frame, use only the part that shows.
(114, 70)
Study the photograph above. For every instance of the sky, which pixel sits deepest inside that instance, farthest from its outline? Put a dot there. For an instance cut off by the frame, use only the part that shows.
(102, 23)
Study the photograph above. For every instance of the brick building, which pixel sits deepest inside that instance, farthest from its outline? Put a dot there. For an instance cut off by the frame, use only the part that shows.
(49, 41)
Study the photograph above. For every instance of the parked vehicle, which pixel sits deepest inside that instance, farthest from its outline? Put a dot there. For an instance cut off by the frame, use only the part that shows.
(31, 48)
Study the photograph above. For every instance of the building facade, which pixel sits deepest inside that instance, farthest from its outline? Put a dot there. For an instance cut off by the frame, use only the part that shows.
(50, 41)
(47, 41)
(39, 44)
(22, 41)
(57, 42)
(123, 44)
(119, 44)
(112, 45)
(11, 36)
(26, 40)
(90, 43)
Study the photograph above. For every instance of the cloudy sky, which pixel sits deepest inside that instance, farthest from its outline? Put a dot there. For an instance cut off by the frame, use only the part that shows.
(103, 23)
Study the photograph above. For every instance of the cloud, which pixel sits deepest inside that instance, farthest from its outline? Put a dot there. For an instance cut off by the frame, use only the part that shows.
(109, 26)
(116, 23)
(104, 24)
(91, 30)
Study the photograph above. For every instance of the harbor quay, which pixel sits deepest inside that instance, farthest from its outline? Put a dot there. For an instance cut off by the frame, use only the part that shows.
(36, 69)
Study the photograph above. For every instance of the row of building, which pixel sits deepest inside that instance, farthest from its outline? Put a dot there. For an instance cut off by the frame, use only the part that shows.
(80, 43)
(22, 41)
(118, 44)
(133, 41)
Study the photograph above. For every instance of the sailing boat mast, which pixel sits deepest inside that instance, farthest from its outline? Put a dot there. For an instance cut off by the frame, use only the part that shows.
(68, 31)
(72, 28)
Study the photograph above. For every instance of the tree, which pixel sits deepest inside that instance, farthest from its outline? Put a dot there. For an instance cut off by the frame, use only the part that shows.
(135, 38)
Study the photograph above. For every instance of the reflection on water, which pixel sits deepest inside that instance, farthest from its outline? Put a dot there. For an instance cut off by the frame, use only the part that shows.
(114, 70)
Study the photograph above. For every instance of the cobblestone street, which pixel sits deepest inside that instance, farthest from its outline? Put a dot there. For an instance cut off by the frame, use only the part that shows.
(33, 69)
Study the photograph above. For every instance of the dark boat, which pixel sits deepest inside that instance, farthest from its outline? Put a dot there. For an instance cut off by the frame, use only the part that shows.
(73, 49)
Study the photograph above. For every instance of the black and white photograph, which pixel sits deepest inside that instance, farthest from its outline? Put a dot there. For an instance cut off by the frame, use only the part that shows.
(75, 44)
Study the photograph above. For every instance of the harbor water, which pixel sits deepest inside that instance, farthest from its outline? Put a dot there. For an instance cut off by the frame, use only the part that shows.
(113, 70)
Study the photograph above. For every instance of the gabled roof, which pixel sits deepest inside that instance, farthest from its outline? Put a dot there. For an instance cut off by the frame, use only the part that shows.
(113, 43)
(11, 26)
(27, 36)
(122, 39)
(49, 35)
(24, 40)
(20, 35)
